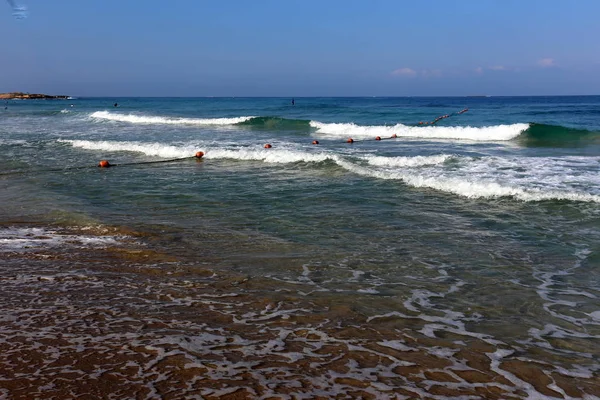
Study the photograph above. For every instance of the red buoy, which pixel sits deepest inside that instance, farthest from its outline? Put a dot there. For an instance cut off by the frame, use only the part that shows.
(377, 137)
(350, 140)
(199, 154)
(315, 142)
(104, 164)
(268, 146)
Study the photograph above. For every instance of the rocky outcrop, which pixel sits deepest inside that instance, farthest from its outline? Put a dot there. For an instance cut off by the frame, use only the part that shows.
(29, 96)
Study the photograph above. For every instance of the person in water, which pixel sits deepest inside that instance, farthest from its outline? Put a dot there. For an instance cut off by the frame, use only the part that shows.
(293, 102)
(116, 104)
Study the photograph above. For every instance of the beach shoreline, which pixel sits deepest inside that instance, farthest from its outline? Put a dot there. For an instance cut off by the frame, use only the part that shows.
(124, 320)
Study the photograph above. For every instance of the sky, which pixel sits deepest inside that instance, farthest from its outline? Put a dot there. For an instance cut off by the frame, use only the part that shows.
(295, 48)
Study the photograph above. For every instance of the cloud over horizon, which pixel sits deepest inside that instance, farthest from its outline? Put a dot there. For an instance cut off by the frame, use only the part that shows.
(428, 73)
(546, 62)
(404, 72)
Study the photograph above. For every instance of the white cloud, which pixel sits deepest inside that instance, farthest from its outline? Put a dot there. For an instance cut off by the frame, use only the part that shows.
(546, 62)
(479, 70)
(404, 72)
(498, 68)
(424, 73)
(427, 73)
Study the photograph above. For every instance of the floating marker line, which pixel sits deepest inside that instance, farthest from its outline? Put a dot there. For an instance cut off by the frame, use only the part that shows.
(104, 164)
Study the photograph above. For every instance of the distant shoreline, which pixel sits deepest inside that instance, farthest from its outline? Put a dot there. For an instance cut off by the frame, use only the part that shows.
(29, 96)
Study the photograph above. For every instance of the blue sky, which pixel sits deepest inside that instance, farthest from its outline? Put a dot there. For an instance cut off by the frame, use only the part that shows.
(296, 48)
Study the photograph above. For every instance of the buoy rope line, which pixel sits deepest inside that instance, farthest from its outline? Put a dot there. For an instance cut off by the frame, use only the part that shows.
(394, 136)
(200, 154)
(145, 162)
(105, 164)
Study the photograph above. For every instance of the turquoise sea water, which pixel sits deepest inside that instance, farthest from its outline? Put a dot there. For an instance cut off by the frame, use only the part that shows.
(483, 227)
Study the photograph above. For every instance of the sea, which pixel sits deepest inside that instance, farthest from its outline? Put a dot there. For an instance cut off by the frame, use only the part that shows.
(449, 250)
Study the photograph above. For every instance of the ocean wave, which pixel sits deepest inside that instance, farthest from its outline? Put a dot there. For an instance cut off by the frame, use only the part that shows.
(472, 185)
(526, 179)
(528, 134)
(483, 189)
(415, 161)
(149, 119)
(542, 135)
(487, 133)
(267, 123)
(149, 149)
(273, 156)
(278, 156)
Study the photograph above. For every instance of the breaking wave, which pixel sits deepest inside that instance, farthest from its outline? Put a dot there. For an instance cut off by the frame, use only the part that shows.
(487, 133)
(145, 119)
(525, 179)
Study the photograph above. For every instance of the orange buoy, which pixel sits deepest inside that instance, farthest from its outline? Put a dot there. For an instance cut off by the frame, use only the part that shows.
(268, 146)
(199, 154)
(315, 142)
(350, 140)
(377, 137)
(394, 135)
(104, 164)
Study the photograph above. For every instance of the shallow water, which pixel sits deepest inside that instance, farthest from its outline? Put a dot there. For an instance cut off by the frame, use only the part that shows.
(456, 259)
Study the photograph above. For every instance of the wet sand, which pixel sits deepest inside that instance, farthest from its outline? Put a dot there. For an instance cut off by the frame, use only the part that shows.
(124, 321)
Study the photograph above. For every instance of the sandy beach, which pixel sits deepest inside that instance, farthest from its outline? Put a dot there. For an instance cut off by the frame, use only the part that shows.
(133, 323)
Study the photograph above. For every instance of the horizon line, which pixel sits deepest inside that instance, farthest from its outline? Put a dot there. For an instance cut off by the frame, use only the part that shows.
(322, 96)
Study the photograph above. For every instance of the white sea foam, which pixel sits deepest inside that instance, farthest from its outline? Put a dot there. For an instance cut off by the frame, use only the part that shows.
(260, 352)
(595, 315)
(276, 156)
(12, 142)
(482, 189)
(151, 119)
(150, 149)
(19, 239)
(368, 291)
(396, 345)
(415, 161)
(554, 294)
(525, 179)
(487, 133)
(522, 178)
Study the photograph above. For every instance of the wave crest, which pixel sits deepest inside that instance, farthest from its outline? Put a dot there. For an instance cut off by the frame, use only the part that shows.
(486, 133)
(148, 119)
(471, 185)
(415, 161)
(273, 156)
(529, 179)
(282, 156)
(149, 149)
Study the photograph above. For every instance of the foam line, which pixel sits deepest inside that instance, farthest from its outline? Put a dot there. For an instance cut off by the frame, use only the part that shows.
(486, 133)
(149, 119)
